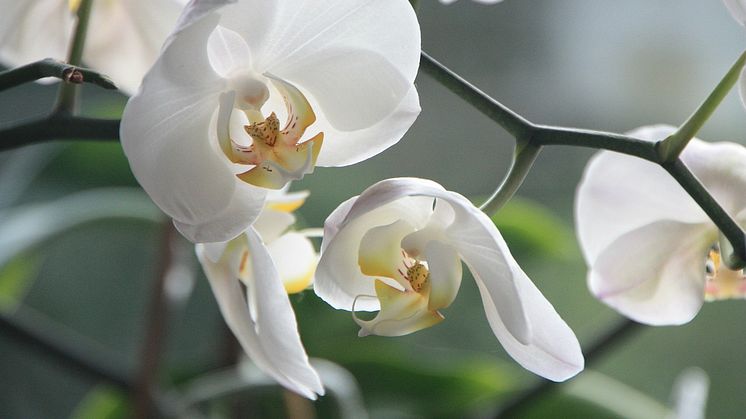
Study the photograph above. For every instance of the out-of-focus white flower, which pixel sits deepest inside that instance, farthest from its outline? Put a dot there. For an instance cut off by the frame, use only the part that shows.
(203, 136)
(398, 247)
(124, 36)
(651, 250)
(270, 262)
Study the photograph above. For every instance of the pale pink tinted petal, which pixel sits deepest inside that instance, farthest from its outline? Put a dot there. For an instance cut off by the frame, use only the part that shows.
(721, 167)
(656, 273)
(620, 193)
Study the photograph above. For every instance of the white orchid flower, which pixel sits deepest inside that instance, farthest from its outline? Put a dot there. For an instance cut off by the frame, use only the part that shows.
(270, 262)
(203, 135)
(124, 37)
(737, 8)
(398, 247)
(651, 250)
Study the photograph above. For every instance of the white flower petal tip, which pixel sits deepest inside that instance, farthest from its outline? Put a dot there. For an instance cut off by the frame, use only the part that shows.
(272, 261)
(249, 95)
(397, 249)
(263, 321)
(128, 34)
(652, 252)
(737, 8)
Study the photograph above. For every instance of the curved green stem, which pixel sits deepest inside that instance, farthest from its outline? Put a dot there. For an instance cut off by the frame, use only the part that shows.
(671, 147)
(52, 68)
(523, 158)
(660, 152)
(519, 127)
(58, 126)
(550, 135)
(68, 95)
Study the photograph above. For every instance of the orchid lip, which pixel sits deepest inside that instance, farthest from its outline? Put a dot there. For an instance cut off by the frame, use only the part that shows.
(276, 156)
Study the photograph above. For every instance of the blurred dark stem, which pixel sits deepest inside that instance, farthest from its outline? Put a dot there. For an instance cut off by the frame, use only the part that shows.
(52, 68)
(67, 98)
(415, 4)
(609, 341)
(155, 334)
(69, 349)
(58, 127)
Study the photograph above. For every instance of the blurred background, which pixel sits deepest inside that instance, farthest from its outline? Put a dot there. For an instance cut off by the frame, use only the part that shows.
(80, 245)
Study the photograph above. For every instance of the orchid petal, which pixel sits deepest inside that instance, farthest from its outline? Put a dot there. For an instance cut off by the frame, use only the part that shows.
(553, 351)
(348, 147)
(380, 249)
(168, 124)
(620, 193)
(246, 204)
(264, 323)
(227, 51)
(401, 313)
(737, 8)
(271, 224)
(344, 79)
(656, 273)
(444, 265)
(287, 44)
(295, 259)
(721, 167)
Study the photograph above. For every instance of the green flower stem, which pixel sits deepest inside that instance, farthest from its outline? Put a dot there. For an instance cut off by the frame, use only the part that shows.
(530, 136)
(415, 4)
(68, 95)
(516, 125)
(52, 68)
(523, 159)
(549, 135)
(735, 259)
(58, 126)
(671, 147)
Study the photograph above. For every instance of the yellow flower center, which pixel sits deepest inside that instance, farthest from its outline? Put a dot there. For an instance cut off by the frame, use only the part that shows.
(73, 5)
(417, 275)
(277, 155)
(722, 283)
